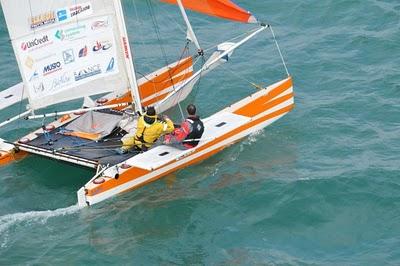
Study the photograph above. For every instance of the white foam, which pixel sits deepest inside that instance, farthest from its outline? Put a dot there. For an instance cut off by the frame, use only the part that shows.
(253, 137)
(5, 240)
(8, 220)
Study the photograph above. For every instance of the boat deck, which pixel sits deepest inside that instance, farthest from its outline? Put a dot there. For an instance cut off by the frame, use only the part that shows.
(103, 151)
(57, 145)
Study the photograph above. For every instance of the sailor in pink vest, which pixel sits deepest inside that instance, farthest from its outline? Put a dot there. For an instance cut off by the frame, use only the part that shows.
(190, 131)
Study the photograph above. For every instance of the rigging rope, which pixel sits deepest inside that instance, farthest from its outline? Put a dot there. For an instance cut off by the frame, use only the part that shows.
(20, 106)
(152, 81)
(176, 22)
(23, 86)
(30, 10)
(203, 61)
(106, 147)
(136, 12)
(157, 31)
(243, 78)
(177, 98)
(232, 39)
(279, 50)
(158, 34)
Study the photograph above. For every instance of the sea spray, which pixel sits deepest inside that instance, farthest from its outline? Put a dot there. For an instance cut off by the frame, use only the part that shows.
(9, 220)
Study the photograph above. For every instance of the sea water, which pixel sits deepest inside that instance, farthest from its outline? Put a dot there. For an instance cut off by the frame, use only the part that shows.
(320, 186)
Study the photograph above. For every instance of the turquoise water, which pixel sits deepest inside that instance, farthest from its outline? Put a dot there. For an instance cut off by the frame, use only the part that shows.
(320, 186)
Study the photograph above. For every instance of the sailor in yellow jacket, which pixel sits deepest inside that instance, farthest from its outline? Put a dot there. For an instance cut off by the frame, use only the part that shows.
(149, 129)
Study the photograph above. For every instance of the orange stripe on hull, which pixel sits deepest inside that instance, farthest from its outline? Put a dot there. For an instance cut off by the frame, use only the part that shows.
(163, 80)
(154, 100)
(134, 172)
(8, 157)
(254, 110)
(126, 98)
(257, 106)
(248, 125)
(159, 83)
(197, 160)
(160, 86)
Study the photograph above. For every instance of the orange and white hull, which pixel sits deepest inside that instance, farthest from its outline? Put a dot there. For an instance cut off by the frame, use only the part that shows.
(221, 130)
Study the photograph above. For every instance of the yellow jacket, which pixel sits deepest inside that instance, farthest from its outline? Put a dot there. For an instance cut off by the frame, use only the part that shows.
(147, 134)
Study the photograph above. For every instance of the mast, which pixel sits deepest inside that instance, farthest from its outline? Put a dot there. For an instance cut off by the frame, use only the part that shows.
(128, 55)
(191, 35)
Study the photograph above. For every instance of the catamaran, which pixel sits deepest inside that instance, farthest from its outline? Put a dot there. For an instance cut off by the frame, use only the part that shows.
(71, 49)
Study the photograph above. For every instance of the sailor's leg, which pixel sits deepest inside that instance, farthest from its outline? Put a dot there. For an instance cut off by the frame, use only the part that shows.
(128, 142)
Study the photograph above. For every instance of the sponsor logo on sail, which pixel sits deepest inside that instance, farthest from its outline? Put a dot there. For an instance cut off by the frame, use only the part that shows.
(37, 42)
(80, 9)
(44, 57)
(71, 33)
(110, 66)
(102, 46)
(83, 52)
(99, 24)
(68, 56)
(60, 35)
(87, 72)
(61, 81)
(34, 76)
(29, 61)
(51, 68)
(43, 19)
(62, 15)
(37, 88)
(126, 50)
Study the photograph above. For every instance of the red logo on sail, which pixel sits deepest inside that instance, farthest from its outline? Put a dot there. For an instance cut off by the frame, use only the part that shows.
(37, 42)
(83, 52)
(102, 46)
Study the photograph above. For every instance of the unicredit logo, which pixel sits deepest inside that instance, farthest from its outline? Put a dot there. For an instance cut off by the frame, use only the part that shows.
(34, 42)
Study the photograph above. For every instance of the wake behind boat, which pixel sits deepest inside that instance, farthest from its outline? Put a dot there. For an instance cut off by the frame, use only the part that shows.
(77, 50)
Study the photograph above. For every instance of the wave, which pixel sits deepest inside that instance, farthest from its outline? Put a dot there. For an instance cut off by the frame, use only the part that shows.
(9, 220)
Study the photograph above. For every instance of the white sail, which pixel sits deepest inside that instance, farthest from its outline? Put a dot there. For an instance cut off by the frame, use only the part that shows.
(12, 95)
(68, 49)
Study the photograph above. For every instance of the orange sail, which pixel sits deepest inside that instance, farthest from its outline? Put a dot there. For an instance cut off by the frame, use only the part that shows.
(218, 8)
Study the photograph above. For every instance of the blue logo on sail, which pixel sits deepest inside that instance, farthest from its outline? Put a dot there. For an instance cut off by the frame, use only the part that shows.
(87, 72)
(34, 75)
(62, 15)
(68, 56)
(110, 65)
